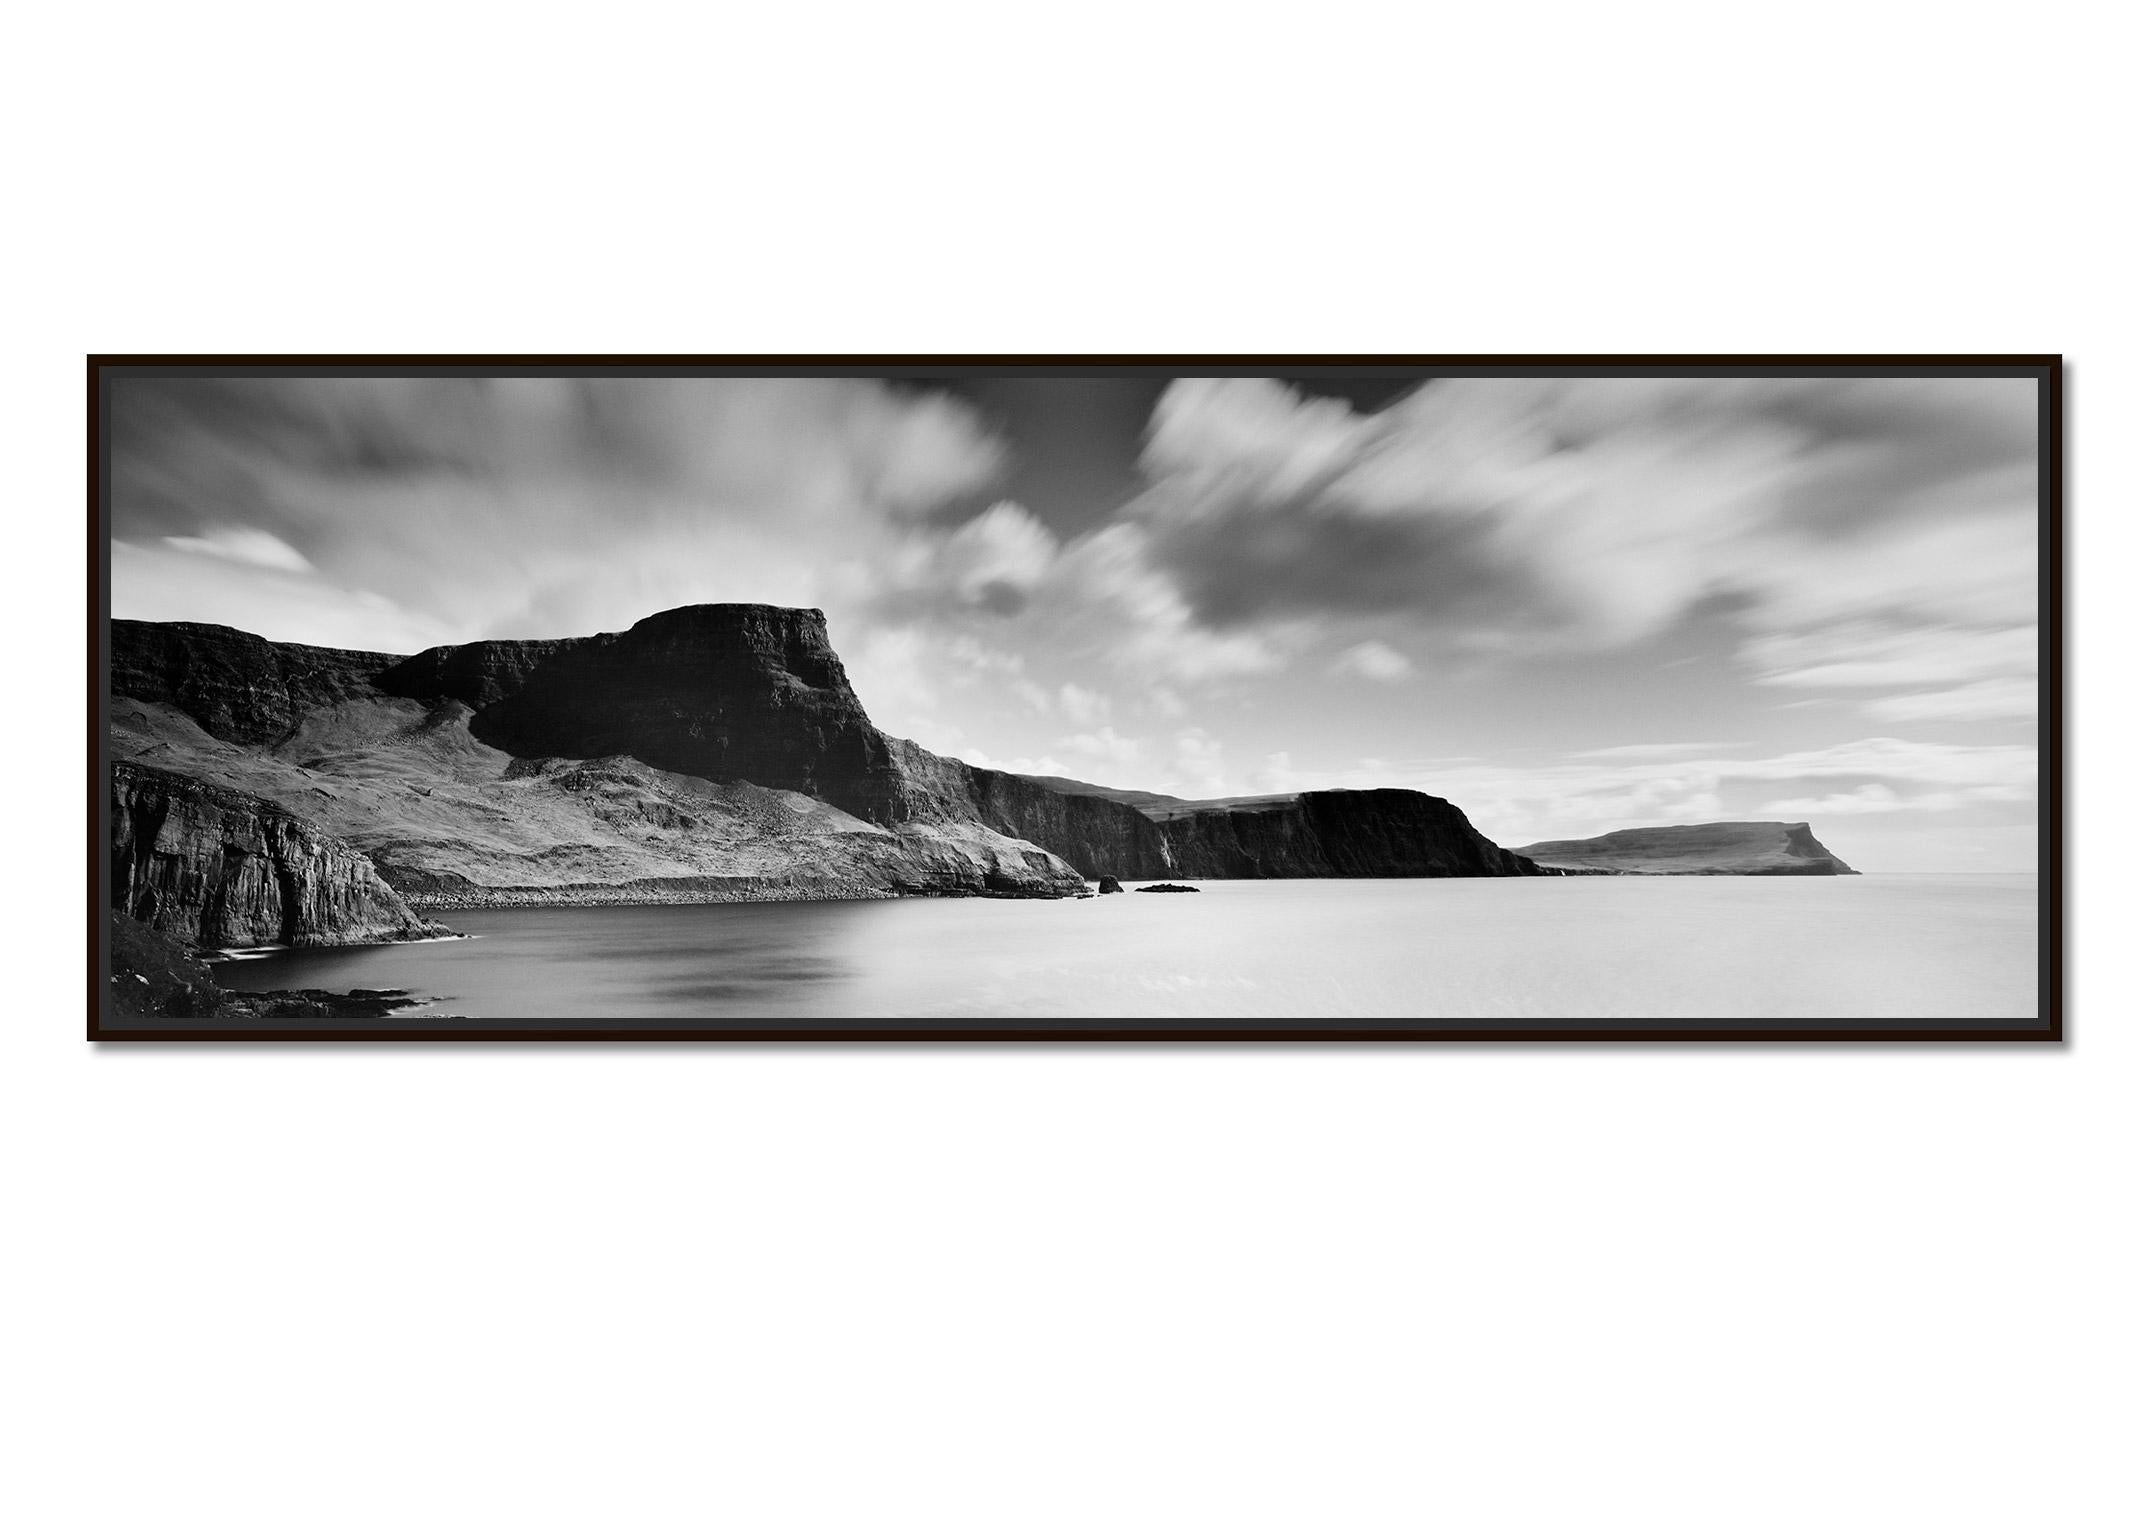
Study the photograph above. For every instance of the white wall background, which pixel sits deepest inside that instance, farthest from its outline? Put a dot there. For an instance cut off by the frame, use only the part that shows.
(1020, 1292)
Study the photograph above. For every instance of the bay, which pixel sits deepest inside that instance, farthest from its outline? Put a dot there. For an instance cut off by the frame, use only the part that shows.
(1611, 947)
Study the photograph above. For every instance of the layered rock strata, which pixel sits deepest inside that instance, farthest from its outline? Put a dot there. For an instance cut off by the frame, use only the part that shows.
(213, 867)
(238, 686)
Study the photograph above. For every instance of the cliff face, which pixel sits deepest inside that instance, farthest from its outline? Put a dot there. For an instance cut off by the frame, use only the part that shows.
(214, 867)
(748, 692)
(237, 686)
(1328, 833)
(1097, 837)
(479, 674)
(629, 763)
(713, 753)
(1696, 849)
(719, 691)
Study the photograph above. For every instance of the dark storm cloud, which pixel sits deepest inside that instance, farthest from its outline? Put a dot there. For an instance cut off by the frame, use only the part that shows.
(1074, 443)
(1361, 394)
(1303, 555)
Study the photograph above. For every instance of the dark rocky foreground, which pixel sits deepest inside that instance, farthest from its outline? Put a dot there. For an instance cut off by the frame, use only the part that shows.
(156, 977)
(1698, 849)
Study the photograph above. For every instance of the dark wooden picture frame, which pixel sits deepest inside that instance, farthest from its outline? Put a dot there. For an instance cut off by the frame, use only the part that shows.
(104, 1025)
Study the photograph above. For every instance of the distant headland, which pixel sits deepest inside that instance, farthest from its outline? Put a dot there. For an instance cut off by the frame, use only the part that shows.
(1697, 849)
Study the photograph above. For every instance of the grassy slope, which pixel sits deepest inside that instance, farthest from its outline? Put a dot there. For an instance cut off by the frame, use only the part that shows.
(437, 808)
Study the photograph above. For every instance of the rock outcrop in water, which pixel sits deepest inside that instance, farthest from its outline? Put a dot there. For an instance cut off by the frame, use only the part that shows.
(212, 867)
(1696, 849)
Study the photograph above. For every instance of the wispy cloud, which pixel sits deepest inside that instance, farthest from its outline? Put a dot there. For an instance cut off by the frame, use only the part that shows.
(243, 547)
(1532, 514)
(561, 506)
(1375, 660)
(1652, 750)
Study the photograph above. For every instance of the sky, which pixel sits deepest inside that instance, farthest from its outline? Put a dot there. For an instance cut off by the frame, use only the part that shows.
(1568, 605)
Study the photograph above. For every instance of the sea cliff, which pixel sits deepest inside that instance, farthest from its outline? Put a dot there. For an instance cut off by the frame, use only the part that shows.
(1694, 849)
(214, 867)
(718, 749)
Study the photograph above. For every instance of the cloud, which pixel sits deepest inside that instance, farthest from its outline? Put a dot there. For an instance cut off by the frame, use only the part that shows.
(895, 673)
(1871, 543)
(487, 507)
(158, 581)
(1197, 767)
(1084, 707)
(1375, 660)
(244, 547)
(1534, 515)
(1275, 774)
(1105, 598)
(1868, 799)
(1655, 750)
(1867, 654)
(1994, 699)
(993, 562)
(971, 653)
(1976, 672)
(1104, 744)
(1491, 515)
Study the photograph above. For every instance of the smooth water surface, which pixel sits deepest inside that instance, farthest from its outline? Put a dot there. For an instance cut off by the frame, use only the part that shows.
(1848, 946)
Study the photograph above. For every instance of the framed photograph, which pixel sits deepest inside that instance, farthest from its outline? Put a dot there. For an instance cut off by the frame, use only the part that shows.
(1075, 698)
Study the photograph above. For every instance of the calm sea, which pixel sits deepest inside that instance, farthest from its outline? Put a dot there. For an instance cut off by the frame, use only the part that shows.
(1612, 947)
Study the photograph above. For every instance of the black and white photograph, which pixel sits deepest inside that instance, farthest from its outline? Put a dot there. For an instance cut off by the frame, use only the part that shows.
(1381, 696)
(1122, 771)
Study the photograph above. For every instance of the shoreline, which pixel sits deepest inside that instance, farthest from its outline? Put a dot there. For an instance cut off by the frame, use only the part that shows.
(691, 892)
(616, 897)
